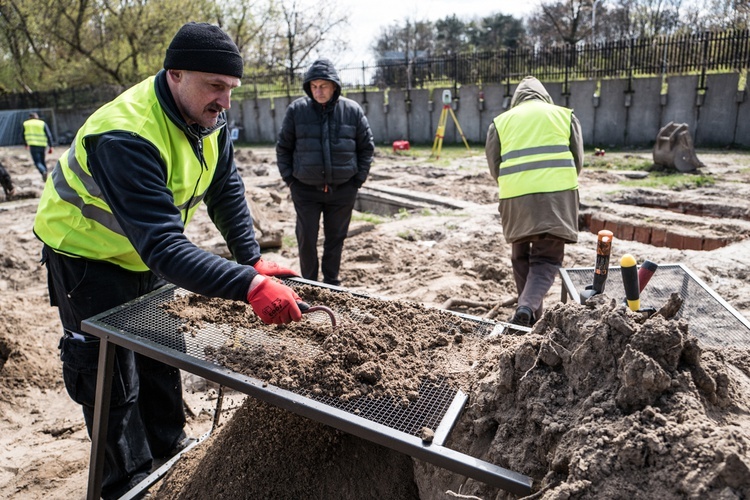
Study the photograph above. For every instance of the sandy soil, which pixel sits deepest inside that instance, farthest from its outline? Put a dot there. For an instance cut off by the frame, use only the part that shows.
(595, 402)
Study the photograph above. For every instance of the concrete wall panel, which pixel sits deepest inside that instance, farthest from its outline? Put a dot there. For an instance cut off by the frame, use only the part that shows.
(644, 112)
(398, 125)
(582, 103)
(714, 123)
(468, 115)
(373, 105)
(494, 96)
(742, 132)
(264, 116)
(419, 117)
(247, 119)
(610, 115)
(680, 107)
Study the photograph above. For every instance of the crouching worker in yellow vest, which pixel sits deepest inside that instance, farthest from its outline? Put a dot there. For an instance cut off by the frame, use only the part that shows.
(535, 152)
(112, 218)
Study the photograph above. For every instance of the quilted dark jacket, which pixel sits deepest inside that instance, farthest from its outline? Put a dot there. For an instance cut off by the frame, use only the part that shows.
(324, 144)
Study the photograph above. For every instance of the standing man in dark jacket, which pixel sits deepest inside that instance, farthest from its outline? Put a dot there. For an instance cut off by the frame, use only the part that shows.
(112, 219)
(535, 152)
(324, 153)
(38, 140)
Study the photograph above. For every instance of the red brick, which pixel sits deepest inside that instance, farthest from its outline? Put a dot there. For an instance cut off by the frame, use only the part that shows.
(624, 231)
(642, 234)
(674, 240)
(713, 243)
(596, 224)
(692, 242)
(658, 237)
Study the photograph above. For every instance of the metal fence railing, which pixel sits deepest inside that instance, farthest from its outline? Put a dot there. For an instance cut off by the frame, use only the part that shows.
(699, 53)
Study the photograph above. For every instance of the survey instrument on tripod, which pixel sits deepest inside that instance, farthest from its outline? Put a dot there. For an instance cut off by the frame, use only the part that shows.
(437, 145)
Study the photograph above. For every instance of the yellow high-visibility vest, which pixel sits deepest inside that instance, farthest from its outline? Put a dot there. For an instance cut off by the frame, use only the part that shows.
(535, 150)
(73, 217)
(34, 132)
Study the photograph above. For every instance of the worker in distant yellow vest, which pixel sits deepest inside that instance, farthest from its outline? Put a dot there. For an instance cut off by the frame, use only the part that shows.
(535, 152)
(38, 140)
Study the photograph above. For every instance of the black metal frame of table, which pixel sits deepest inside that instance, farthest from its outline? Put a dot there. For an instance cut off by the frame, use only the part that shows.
(433, 452)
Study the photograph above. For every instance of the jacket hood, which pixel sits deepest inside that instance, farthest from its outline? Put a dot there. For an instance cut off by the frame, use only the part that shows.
(530, 89)
(322, 69)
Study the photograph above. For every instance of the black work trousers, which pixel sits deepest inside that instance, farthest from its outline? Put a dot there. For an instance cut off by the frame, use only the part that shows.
(146, 414)
(535, 265)
(336, 205)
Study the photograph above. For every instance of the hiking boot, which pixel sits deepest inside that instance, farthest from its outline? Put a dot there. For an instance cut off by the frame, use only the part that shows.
(182, 442)
(523, 316)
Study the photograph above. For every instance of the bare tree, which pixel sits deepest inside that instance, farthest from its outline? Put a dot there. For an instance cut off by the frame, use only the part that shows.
(561, 22)
(304, 31)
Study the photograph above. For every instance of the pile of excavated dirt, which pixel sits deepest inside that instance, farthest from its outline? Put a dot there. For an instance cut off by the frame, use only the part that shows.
(595, 402)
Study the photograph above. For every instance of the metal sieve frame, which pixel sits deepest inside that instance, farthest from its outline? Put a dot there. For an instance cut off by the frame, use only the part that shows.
(711, 319)
(131, 334)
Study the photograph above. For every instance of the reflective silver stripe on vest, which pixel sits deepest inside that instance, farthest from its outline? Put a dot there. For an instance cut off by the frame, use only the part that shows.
(70, 195)
(538, 150)
(88, 182)
(194, 201)
(534, 165)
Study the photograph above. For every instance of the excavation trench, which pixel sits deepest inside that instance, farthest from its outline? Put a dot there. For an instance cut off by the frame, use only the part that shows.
(666, 221)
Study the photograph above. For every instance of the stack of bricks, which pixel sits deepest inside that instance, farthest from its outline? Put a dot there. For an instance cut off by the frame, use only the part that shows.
(644, 232)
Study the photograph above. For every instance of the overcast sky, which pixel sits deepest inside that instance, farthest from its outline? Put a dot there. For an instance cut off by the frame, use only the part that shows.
(366, 17)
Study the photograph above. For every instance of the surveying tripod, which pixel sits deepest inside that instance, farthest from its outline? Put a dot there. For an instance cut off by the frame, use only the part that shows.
(440, 132)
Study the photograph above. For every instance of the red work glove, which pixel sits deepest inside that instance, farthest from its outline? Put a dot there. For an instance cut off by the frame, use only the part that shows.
(268, 268)
(49, 152)
(274, 302)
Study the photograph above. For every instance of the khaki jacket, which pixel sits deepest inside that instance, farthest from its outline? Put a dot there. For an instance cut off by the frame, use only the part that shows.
(539, 215)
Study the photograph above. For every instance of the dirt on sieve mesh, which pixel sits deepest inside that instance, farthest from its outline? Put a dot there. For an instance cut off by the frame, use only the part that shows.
(378, 348)
(595, 402)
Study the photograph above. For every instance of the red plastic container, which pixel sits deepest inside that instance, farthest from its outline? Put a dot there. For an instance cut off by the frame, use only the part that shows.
(400, 145)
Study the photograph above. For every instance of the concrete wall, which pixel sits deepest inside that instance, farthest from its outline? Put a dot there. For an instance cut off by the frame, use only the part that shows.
(582, 102)
(742, 121)
(620, 116)
(714, 121)
(680, 102)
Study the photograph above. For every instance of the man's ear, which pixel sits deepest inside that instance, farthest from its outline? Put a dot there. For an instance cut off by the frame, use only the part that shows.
(174, 74)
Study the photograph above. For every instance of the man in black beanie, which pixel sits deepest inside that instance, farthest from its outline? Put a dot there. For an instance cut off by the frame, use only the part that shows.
(112, 222)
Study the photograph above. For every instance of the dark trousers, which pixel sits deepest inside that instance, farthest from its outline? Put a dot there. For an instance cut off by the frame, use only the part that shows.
(147, 415)
(336, 206)
(38, 156)
(535, 265)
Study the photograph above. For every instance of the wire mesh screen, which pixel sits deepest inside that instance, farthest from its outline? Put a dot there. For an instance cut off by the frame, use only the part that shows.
(147, 319)
(710, 318)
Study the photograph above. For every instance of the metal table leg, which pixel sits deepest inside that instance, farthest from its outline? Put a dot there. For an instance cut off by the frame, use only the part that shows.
(101, 417)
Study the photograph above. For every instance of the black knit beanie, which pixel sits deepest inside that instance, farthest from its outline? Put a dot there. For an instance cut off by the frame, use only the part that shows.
(204, 47)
